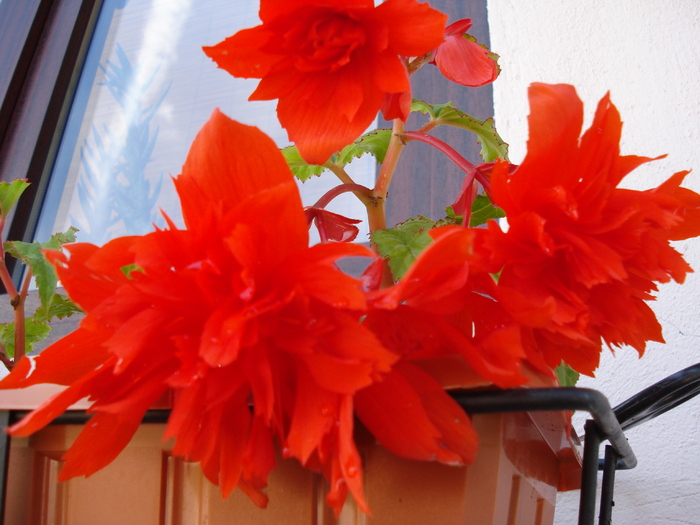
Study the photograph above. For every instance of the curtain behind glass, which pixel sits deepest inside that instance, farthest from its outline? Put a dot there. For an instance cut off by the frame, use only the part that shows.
(145, 91)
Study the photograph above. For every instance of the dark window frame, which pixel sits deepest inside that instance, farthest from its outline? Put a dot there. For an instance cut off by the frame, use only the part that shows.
(44, 43)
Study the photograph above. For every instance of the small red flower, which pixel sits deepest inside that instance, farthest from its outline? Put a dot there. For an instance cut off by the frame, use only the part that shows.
(332, 226)
(581, 256)
(330, 64)
(462, 60)
(234, 311)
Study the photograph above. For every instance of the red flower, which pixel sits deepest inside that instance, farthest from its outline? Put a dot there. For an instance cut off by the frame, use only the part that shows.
(581, 256)
(462, 60)
(330, 64)
(332, 226)
(447, 333)
(237, 309)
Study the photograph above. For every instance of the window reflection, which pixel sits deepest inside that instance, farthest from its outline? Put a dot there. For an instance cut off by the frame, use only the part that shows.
(144, 92)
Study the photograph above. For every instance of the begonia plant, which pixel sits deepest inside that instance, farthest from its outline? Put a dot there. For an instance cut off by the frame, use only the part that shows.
(263, 341)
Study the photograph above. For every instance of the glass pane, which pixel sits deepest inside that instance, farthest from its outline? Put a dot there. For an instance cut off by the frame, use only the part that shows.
(144, 92)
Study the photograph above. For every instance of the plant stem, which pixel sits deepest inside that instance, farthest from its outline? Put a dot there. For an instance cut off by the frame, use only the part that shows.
(417, 63)
(19, 318)
(391, 158)
(4, 359)
(15, 300)
(452, 154)
(365, 197)
(364, 192)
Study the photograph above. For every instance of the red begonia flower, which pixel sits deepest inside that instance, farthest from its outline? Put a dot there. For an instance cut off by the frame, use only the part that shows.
(579, 247)
(436, 319)
(332, 226)
(233, 311)
(462, 60)
(330, 64)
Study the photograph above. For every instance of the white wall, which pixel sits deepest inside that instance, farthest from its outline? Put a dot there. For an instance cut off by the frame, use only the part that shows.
(647, 54)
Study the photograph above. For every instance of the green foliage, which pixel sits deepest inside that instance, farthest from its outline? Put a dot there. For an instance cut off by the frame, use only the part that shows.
(53, 305)
(299, 166)
(61, 306)
(402, 244)
(126, 270)
(483, 210)
(31, 255)
(566, 375)
(375, 143)
(492, 145)
(34, 332)
(10, 192)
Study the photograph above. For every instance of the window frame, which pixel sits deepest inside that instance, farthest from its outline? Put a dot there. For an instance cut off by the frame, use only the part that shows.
(44, 45)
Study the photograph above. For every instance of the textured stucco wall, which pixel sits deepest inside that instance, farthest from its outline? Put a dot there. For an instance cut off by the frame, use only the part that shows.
(647, 54)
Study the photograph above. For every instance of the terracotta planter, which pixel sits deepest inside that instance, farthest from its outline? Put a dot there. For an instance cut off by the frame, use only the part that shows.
(523, 459)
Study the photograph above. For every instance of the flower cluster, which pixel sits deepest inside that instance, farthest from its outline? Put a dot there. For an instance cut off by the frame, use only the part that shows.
(261, 339)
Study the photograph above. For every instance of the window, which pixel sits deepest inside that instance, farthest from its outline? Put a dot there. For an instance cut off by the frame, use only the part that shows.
(62, 87)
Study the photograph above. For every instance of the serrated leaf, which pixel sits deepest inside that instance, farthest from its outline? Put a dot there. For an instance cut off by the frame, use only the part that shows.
(301, 169)
(61, 307)
(375, 143)
(34, 332)
(483, 210)
(416, 224)
(566, 375)
(400, 247)
(423, 107)
(492, 145)
(31, 255)
(10, 192)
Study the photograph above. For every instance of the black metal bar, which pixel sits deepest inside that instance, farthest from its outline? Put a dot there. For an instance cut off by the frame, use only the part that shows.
(607, 487)
(80, 417)
(559, 398)
(589, 473)
(659, 397)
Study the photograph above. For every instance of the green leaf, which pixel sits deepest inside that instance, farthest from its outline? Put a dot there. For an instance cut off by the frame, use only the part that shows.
(483, 210)
(566, 375)
(10, 192)
(423, 107)
(126, 270)
(61, 306)
(31, 255)
(34, 332)
(300, 168)
(416, 224)
(492, 145)
(375, 143)
(400, 247)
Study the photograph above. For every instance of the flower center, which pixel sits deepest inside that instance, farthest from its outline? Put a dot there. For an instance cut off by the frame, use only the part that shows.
(330, 42)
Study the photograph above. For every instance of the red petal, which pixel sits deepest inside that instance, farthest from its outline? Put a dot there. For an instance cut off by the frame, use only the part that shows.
(414, 28)
(393, 411)
(228, 162)
(465, 62)
(62, 363)
(315, 413)
(271, 9)
(240, 54)
(321, 116)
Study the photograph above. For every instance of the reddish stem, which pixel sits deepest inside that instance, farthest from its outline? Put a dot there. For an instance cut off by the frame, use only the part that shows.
(451, 153)
(339, 190)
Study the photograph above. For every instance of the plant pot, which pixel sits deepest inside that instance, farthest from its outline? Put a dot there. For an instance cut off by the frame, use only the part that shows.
(523, 459)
